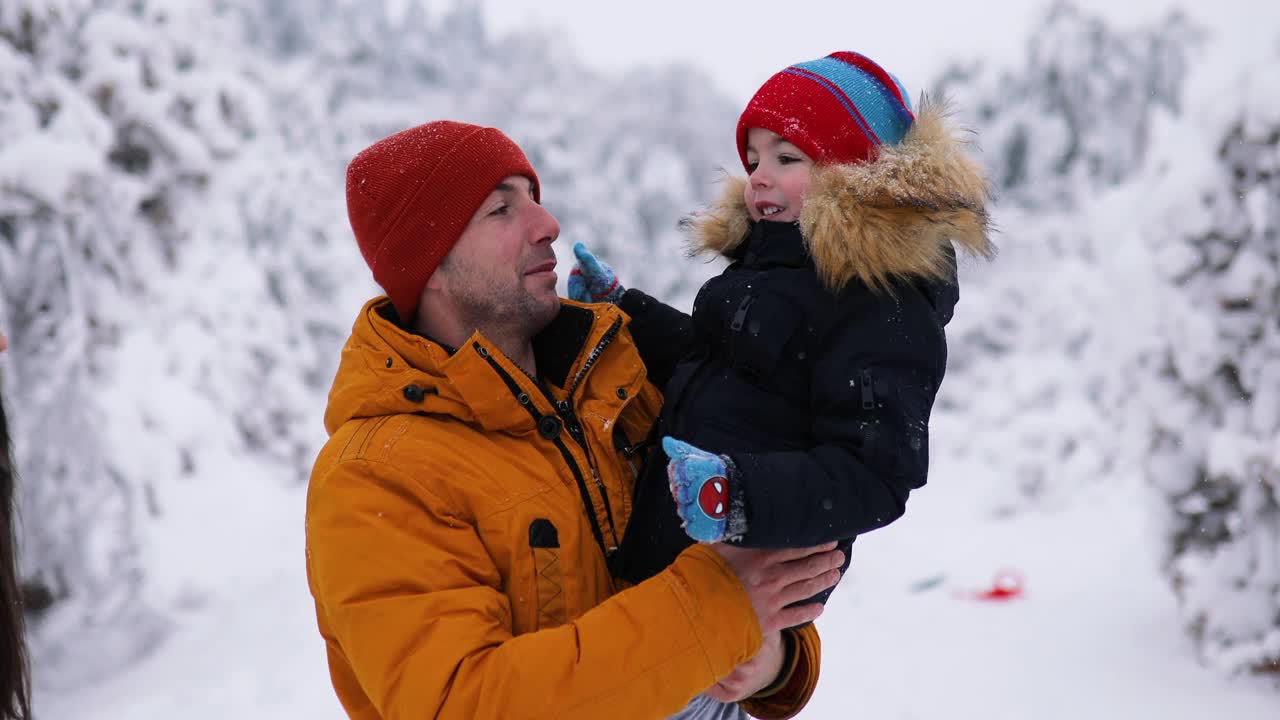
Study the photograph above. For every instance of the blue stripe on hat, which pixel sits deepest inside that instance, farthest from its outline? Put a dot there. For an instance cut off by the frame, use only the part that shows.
(877, 104)
(902, 90)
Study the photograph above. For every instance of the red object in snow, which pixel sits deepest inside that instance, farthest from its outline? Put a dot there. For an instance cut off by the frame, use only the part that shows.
(1006, 585)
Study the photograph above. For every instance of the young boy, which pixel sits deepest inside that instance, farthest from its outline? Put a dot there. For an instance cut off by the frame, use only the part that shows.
(798, 394)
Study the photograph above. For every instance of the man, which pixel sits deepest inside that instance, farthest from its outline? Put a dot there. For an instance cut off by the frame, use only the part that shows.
(477, 477)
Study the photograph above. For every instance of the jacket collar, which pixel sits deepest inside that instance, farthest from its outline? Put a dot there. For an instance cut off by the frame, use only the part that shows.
(557, 348)
(554, 349)
(387, 370)
(896, 217)
(772, 244)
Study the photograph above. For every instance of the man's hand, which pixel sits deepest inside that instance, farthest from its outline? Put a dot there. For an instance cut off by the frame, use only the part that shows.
(774, 579)
(753, 675)
(592, 281)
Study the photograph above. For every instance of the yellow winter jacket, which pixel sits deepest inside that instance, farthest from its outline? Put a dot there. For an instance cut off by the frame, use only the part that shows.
(457, 524)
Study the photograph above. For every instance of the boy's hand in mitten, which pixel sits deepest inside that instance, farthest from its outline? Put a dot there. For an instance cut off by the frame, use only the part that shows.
(703, 487)
(591, 280)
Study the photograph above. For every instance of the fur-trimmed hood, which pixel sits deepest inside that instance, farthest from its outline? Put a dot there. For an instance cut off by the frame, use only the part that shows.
(891, 218)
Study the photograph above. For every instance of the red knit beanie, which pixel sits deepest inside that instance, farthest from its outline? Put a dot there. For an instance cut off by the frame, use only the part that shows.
(410, 195)
(837, 109)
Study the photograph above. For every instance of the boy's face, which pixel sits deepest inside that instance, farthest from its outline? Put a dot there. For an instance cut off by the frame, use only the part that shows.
(779, 175)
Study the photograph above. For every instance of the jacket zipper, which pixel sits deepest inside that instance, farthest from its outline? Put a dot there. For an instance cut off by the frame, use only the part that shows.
(629, 451)
(608, 511)
(516, 391)
(564, 409)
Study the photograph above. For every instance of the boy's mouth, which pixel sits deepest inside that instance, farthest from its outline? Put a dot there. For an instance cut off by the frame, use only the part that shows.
(767, 209)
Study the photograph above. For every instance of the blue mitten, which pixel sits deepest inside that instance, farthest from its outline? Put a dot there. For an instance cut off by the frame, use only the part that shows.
(703, 487)
(591, 280)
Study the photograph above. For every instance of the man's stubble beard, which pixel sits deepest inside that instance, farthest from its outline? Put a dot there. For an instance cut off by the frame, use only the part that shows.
(499, 310)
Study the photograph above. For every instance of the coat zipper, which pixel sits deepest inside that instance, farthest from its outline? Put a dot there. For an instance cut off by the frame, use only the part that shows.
(581, 482)
(629, 451)
(564, 410)
(595, 355)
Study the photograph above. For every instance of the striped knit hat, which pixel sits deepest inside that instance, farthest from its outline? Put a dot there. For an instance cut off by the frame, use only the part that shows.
(836, 109)
(410, 196)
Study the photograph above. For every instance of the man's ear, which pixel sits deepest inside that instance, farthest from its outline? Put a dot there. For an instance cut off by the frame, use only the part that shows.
(439, 279)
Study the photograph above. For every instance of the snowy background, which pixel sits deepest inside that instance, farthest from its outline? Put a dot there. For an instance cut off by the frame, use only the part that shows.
(177, 274)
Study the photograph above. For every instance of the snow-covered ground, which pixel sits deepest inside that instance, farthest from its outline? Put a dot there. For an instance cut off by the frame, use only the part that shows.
(1090, 637)
(1095, 634)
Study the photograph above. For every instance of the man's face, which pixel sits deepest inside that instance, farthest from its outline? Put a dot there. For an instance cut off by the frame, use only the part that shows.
(500, 275)
(779, 177)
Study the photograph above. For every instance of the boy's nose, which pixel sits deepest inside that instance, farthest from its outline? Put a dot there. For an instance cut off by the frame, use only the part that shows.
(760, 179)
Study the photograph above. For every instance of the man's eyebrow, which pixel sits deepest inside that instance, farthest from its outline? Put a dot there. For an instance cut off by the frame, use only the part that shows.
(508, 187)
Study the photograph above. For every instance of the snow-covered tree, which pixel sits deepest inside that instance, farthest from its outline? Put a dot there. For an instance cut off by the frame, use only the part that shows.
(1215, 394)
(1046, 342)
(1131, 324)
(1076, 116)
(117, 116)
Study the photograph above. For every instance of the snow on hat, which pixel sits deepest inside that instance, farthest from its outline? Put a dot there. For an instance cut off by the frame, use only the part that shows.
(837, 109)
(410, 195)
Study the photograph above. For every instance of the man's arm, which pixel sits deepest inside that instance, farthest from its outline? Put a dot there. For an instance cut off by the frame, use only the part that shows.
(415, 605)
(769, 686)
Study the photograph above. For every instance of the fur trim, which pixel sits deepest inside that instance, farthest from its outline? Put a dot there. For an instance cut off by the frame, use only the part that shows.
(891, 218)
(723, 226)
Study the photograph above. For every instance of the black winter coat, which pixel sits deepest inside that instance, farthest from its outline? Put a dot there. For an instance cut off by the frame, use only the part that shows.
(813, 370)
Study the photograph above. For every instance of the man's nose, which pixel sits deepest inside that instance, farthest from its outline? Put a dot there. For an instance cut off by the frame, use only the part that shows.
(546, 227)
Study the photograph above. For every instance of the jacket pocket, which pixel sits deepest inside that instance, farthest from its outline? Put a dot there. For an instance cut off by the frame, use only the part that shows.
(544, 543)
(873, 395)
(759, 330)
(894, 422)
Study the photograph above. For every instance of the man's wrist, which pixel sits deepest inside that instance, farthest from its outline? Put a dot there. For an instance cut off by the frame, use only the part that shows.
(784, 673)
(799, 678)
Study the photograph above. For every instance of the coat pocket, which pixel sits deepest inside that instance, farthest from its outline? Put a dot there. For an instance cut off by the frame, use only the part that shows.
(759, 330)
(893, 424)
(544, 543)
